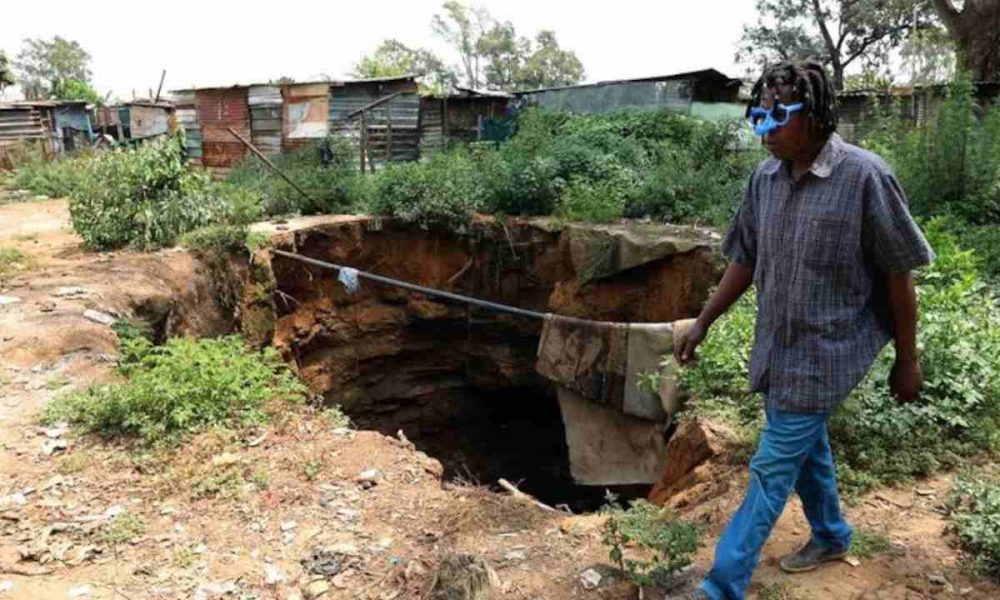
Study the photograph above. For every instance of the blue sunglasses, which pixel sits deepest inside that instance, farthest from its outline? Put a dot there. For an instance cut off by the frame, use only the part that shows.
(766, 121)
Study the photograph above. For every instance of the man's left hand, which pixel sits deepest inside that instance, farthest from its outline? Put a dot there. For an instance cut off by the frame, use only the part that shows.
(906, 380)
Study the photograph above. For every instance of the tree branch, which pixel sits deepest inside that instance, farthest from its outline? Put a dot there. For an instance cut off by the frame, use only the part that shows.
(873, 39)
(821, 21)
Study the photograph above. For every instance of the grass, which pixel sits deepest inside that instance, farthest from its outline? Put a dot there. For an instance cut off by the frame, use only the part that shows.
(73, 463)
(867, 543)
(778, 590)
(311, 469)
(13, 262)
(122, 528)
(184, 557)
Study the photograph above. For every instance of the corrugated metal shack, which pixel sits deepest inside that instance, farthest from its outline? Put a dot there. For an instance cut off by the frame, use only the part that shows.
(220, 109)
(306, 114)
(382, 115)
(21, 124)
(134, 120)
(265, 117)
(681, 92)
(913, 105)
(186, 114)
(66, 124)
(458, 117)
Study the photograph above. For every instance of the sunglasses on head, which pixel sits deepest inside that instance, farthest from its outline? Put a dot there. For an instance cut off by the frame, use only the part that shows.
(765, 121)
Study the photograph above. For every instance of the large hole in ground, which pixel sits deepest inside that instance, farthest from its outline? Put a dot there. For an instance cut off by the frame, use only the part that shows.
(515, 434)
(461, 382)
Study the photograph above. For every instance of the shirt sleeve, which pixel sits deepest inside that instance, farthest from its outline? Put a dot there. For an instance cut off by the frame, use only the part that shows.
(892, 238)
(740, 243)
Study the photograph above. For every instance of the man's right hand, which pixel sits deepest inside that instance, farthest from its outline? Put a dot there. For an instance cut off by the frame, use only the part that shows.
(684, 350)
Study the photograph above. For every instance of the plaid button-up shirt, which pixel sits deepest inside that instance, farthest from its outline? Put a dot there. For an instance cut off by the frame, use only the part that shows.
(821, 247)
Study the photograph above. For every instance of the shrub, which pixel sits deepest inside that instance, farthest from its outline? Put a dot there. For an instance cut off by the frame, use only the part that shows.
(181, 387)
(55, 178)
(672, 541)
(876, 440)
(950, 166)
(440, 191)
(975, 506)
(144, 196)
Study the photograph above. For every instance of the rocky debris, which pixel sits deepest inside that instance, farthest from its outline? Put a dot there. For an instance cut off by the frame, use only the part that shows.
(80, 591)
(5, 300)
(98, 317)
(6, 585)
(368, 478)
(12, 501)
(590, 579)
(214, 589)
(71, 292)
(45, 306)
(463, 577)
(327, 561)
(273, 575)
(50, 447)
(315, 589)
(695, 453)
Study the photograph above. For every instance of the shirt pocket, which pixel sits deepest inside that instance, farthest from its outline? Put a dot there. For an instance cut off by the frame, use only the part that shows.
(823, 244)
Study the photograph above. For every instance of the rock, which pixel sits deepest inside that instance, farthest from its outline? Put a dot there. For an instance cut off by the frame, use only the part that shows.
(70, 292)
(315, 589)
(342, 432)
(113, 511)
(854, 562)
(46, 306)
(694, 449)
(590, 579)
(81, 554)
(215, 589)
(463, 577)
(50, 447)
(937, 579)
(200, 549)
(325, 562)
(288, 526)
(5, 300)
(515, 556)
(273, 575)
(56, 431)
(98, 317)
(293, 595)
(6, 585)
(79, 591)
(12, 500)
(368, 478)
(925, 491)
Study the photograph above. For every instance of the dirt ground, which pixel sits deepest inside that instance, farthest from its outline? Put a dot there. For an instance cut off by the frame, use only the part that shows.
(267, 515)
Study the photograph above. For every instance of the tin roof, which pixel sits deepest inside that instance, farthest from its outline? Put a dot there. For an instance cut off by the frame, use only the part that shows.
(332, 82)
(700, 74)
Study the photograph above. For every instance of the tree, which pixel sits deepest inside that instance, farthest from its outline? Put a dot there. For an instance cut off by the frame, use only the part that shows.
(927, 56)
(549, 65)
(462, 27)
(975, 28)
(6, 75)
(43, 64)
(495, 57)
(74, 89)
(393, 58)
(838, 32)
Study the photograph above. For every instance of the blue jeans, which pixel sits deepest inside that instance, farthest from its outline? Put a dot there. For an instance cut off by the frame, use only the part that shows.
(794, 452)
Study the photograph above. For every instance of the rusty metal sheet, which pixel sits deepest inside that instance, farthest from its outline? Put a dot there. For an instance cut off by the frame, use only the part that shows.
(306, 118)
(148, 121)
(18, 124)
(305, 90)
(221, 154)
(264, 95)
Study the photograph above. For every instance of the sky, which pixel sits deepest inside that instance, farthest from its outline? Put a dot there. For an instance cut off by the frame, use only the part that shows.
(222, 42)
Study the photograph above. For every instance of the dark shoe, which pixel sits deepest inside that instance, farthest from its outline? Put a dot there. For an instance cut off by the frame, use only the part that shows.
(811, 556)
(695, 594)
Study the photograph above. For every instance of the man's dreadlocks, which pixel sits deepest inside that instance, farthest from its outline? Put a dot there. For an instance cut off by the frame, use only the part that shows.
(812, 88)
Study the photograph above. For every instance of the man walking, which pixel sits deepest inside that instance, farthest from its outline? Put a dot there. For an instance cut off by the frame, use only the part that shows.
(825, 235)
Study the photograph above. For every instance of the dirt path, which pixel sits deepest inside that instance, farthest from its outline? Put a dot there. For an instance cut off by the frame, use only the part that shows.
(259, 517)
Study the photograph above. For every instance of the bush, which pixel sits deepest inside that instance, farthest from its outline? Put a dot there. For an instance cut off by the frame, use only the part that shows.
(950, 166)
(672, 541)
(975, 506)
(440, 191)
(181, 387)
(877, 441)
(55, 178)
(144, 197)
(326, 170)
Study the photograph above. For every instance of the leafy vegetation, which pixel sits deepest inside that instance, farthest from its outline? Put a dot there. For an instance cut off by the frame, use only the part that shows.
(181, 387)
(123, 527)
(975, 505)
(55, 178)
(876, 440)
(866, 543)
(671, 541)
(12, 262)
(952, 165)
(146, 197)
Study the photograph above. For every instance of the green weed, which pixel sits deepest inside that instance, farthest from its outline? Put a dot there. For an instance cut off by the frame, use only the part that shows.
(122, 528)
(975, 506)
(866, 543)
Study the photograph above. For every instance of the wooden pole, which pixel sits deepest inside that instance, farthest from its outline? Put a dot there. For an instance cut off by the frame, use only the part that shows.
(363, 141)
(160, 87)
(268, 162)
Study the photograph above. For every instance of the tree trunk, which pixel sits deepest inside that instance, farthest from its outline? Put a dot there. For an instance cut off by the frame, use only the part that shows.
(838, 76)
(976, 32)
